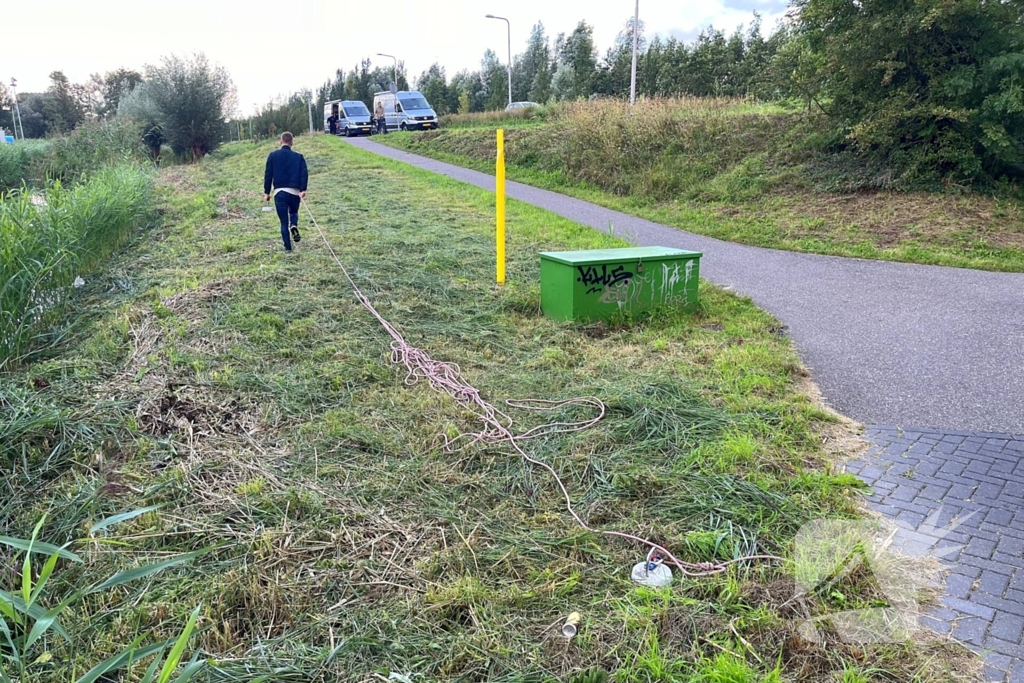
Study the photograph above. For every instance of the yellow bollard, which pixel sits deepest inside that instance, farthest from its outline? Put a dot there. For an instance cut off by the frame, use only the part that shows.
(499, 194)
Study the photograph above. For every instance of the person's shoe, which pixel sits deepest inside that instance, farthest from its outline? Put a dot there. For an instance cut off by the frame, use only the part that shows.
(295, 234)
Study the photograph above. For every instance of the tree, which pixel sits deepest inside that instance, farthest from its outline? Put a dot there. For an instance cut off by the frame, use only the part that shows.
(63, 110)
(495, 79)
(140, 106)
(434, 85)
(935, 86)
(33, 107)
(619, 61)
(580, 56)
(533, 68)
(193, 97)
(113, 86)
(6, 110)
(471, 83)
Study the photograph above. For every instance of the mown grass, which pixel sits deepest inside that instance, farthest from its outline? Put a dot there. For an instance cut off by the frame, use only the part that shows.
(748, 173)
(248, 393)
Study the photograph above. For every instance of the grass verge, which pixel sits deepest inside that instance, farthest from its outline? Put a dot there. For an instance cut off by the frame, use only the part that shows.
(247, 393)
(761, 176)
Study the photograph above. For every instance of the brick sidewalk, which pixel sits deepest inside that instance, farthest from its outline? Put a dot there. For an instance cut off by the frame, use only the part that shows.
(912, 473)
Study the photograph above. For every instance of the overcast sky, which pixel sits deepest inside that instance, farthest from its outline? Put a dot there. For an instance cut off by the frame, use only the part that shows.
(274, 48)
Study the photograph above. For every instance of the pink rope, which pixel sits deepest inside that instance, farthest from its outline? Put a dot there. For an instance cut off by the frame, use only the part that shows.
(496, 426)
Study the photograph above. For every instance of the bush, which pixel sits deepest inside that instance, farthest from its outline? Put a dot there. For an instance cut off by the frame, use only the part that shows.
(93, 146)
(44, 248)
(932, 86)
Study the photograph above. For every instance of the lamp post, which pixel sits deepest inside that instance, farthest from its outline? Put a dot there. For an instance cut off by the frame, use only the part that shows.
(381, 54)
(16, 111)
(509, 25)
(636, 39)
(309, 102)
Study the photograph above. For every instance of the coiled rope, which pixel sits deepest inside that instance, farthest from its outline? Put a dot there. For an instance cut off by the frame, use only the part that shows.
(496, 426)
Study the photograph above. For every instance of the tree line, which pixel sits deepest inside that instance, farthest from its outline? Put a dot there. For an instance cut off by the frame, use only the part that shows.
(181, 102)
(931, 88)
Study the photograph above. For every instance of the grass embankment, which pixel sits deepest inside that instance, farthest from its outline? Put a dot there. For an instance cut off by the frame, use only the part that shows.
(250, 395)
(757, 175)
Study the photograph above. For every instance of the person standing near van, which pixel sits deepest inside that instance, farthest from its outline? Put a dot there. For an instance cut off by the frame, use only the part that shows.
(378, 113)
(286, 171)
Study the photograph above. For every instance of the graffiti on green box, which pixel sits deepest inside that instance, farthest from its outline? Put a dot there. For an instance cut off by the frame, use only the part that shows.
(618, 285)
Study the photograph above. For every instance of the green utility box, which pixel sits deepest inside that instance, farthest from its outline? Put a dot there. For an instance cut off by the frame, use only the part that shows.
(597, 284)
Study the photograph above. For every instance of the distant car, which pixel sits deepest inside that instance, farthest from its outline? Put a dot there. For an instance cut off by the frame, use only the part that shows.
(521, 105)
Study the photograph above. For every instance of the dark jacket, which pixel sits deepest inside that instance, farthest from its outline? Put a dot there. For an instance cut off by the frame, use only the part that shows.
(285, 168)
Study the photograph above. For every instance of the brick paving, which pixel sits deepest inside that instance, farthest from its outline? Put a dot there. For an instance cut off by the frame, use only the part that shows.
(913, 474)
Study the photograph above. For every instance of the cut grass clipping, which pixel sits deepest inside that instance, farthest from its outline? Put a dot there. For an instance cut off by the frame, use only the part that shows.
(251, 397)
(739, 171)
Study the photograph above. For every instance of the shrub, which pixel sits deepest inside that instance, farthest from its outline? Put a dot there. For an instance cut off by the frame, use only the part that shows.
(93, 146)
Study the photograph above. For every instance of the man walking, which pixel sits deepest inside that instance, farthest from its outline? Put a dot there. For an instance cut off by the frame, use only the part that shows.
(378, 114)
(286, 171)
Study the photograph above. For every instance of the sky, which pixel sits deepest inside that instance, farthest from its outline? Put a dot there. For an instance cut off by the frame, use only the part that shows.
(274, 48)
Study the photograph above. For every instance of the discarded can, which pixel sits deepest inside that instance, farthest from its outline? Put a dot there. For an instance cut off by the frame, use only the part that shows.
(571, 626)
(267, 209)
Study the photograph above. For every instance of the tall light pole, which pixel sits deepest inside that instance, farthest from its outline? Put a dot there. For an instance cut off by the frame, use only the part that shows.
(636, 40)
(381, 54)
(309, 101)
(509, 25)
(16, 111)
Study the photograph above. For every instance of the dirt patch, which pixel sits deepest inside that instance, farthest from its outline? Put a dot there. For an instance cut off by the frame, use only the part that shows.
(189, 304)
(195, 413)
(180, 178)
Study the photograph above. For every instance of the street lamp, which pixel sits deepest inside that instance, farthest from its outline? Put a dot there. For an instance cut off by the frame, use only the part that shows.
(509, 24)
(16, 110)
(636, 39)
(309, 102)
(381, 54)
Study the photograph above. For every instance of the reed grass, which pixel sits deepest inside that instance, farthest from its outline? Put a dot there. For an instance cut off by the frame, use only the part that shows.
(50, 239)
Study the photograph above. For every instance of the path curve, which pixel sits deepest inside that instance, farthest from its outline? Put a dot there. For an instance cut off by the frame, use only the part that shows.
(887, 343)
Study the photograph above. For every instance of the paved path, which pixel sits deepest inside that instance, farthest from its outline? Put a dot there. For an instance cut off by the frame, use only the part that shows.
(892, 344)
(888, 343)
(916, 473)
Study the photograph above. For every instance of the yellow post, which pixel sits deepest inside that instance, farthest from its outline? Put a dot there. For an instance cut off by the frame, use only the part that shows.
(499, 194)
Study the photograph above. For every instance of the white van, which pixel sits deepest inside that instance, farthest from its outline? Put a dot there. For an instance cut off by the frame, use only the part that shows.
(353, 117)
(406, 110)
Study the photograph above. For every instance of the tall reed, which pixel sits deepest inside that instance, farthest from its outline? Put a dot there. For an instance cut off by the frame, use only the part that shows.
(45, 247)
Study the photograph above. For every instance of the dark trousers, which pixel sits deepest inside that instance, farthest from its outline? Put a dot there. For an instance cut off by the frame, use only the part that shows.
(288, 211)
